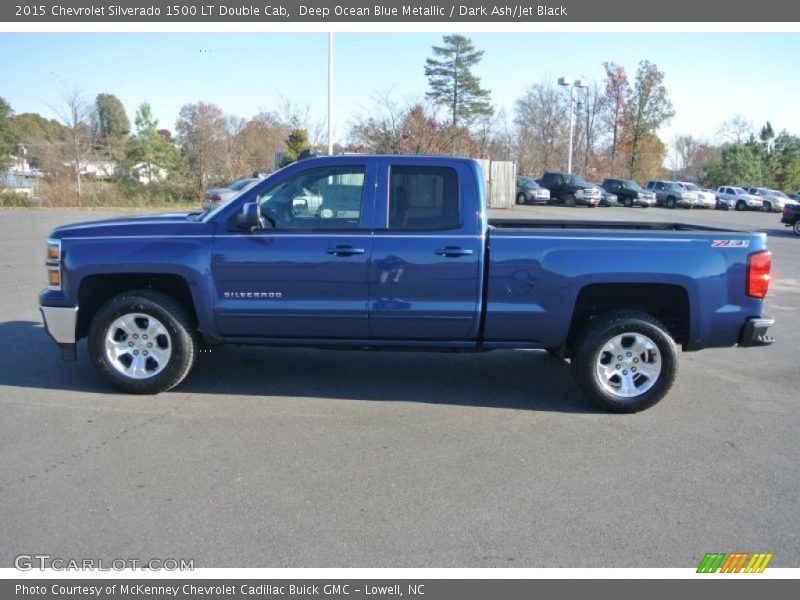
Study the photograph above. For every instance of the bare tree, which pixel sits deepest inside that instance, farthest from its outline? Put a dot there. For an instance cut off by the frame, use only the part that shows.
(689, 157)
(616, 94)
(542, 127)
(203, 134)
(76, 113)
(593, 108)
(736, 130)
(296, 116)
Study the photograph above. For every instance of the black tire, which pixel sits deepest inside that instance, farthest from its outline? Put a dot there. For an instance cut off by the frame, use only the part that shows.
(670, 202)
(766, 207)
(521, 199)
(796, 227)
(588, 354)
(628, 202)
(182, 340)
(741, 205)
(569, 200)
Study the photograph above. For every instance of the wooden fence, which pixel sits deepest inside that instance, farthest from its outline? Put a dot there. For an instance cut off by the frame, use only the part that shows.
(501, 182)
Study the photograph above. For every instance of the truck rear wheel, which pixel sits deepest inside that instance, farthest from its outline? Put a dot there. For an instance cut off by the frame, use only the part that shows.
(143, 342)
(569, 200)
(625, 361)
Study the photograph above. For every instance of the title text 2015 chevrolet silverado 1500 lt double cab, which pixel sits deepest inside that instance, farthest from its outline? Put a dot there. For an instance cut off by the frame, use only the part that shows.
(398, 252)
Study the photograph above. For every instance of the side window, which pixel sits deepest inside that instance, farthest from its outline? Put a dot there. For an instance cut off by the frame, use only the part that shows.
(323, 198)
(423, 198)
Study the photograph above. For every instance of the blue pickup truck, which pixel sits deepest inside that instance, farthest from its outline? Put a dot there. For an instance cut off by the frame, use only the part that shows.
(389, 252)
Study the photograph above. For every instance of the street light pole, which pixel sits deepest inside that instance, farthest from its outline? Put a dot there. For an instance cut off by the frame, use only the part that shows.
(581, 83)
(571, 125)
(330, 93)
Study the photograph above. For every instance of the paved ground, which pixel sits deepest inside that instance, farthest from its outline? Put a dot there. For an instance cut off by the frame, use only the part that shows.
(269, 457)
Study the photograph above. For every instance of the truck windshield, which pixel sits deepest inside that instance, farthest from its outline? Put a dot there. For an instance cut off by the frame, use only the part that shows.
(631, 185)
(574, 179)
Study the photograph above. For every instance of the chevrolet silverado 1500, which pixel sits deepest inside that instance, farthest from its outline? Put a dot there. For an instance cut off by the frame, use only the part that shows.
(399, 252)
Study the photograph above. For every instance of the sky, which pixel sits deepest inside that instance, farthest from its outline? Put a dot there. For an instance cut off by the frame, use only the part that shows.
(711, 77)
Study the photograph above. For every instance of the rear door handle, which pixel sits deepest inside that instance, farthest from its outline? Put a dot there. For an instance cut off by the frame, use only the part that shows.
(344, 251)
(453, 251)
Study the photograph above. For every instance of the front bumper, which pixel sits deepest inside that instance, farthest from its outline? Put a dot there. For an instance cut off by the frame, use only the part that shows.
(754, 332)
(61, 323)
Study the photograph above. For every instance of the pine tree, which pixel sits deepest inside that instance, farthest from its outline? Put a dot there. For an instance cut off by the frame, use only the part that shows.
(452, 83)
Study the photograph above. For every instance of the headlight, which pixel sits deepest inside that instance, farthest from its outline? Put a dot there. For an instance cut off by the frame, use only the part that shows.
(53, 264)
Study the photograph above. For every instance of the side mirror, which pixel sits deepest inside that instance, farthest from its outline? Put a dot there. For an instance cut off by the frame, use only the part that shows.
(250, 218)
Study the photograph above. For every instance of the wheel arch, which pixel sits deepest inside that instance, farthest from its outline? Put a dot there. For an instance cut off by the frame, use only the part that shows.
(96, 290)
(667, 302)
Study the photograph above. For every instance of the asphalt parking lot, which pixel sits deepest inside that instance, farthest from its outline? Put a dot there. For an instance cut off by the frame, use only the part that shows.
(306, 458)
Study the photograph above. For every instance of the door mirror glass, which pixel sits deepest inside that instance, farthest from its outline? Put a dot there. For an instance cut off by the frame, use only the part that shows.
(250, 217)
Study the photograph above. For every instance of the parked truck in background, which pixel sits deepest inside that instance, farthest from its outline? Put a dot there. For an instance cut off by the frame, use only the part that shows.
(413, 263)
(570, 189)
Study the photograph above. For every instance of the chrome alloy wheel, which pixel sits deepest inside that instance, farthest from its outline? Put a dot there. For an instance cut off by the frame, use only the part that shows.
(138, 345)
(628, 365)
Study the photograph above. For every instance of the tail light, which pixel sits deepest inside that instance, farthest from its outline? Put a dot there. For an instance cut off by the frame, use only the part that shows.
(216, 197)
(785, 210)
(759, 265)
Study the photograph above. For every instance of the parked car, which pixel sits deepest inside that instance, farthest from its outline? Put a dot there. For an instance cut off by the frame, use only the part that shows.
(530, 192)
(705, 198)
(790, 216)
(409, 270)
(729, 197)
(570, 189)
(671, 194)
(629, 193)
(217, 196)
(772, 200)
(606, 198)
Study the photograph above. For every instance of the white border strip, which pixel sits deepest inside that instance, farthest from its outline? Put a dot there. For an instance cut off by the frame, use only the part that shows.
(373, 27)
(425, 573)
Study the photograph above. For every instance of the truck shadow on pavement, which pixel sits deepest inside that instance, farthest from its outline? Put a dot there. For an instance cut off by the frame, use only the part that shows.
(522, 380)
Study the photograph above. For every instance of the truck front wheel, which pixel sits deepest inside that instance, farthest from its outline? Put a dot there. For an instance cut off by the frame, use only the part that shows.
(143, 342)
(625, 361)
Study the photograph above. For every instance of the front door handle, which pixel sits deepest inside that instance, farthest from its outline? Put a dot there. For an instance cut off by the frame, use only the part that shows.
(344, 251)
(453, 251)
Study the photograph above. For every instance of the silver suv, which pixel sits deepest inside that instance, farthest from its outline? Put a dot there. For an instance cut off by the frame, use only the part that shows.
(729, 197)
(672, 194)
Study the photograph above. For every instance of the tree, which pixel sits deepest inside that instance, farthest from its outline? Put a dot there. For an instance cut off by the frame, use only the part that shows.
(740, 164)
(647, 108)
(542, 128)
(260, 140)
(7, 145)
(452, 83)
(594, 106)
(736, 130)
(112, 123)
(149, 146)
(616, 95)
(296, 144)
(46, 140)
(784, 162)
(202, 132)
(690, 157)
(76, 114)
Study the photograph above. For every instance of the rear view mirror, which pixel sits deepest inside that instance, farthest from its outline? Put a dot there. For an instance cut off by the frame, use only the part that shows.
(250, 218)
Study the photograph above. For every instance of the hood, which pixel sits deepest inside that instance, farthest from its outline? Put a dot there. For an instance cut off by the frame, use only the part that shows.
(166, 224)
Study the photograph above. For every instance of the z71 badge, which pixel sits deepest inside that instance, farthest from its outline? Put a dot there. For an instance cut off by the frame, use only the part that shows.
(730, 243)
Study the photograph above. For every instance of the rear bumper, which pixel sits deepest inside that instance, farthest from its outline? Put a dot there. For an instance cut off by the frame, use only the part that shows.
(754, 332)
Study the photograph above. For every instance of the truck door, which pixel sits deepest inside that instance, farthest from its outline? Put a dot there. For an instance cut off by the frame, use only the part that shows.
(304, 275)
(427, 252)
